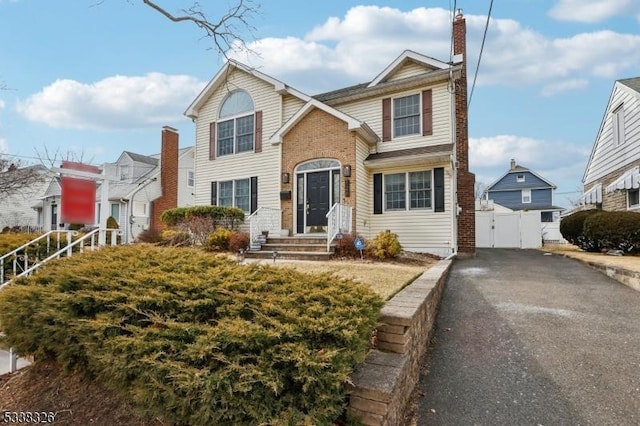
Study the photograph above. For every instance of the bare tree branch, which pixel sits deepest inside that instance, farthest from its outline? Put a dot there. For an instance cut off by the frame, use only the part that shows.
(226, 33)
(15, 177)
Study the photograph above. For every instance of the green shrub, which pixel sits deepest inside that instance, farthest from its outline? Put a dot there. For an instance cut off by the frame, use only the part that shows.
(228, 217)
(385, 245)
(218, 240)
(172, 237)
(197, 339)
(239, 241)
(112, 223)
(614, 230)
(572, 229)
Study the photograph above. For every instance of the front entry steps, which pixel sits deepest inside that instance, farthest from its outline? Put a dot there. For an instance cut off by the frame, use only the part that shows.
(292, 248)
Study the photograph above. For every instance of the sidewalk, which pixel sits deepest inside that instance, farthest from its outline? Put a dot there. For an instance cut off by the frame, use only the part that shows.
(4, 362)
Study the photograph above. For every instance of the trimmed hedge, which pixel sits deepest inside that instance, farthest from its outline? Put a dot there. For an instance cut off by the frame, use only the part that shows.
(229, 217)
(572, 229)
(614, 230)
(194, 338)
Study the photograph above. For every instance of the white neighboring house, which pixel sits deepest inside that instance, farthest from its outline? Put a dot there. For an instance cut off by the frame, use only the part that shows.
(141, 187)
(612, 177)
(24, 209)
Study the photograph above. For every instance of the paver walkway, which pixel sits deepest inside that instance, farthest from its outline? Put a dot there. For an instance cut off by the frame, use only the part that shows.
(524, 338)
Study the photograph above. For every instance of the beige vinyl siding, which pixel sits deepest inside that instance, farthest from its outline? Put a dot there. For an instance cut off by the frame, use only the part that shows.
(606, 157)
(264, 165)
(291, 105)
(418, 230)
(185, 192)
(15, 210)
(370, 111)
(363, 189)
(410, 69)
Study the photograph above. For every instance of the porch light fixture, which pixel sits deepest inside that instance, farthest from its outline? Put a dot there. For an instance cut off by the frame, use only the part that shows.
(346, 170)
(285, 177)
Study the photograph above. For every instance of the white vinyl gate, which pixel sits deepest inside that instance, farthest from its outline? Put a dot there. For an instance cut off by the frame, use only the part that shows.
(508, 230)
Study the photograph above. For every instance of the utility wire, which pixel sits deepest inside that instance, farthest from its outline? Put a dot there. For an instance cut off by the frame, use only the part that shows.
(484, 37)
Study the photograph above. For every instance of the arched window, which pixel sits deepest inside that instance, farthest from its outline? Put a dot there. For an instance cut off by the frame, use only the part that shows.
(236, 124)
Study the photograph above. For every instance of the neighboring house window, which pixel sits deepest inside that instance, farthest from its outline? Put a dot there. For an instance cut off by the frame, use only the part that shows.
(414, 186)
(633, 198)
(520, 178)
(618, 126)
(115, 211)
(406, 116)
(526, 196)
(190, 178)
(236, 125)
(235, 193)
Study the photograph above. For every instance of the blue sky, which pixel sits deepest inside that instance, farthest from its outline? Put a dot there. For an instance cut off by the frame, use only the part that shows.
(93, 78)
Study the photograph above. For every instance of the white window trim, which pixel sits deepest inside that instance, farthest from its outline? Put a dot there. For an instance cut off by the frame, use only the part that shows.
(524, 194)
(233, 193)
(520, 178)
(407, 192)
(393, 116)
(235, 118)
(191, 177)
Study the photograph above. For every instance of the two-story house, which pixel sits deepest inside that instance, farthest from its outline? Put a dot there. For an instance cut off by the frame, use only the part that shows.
(520, 188)
(611, 179)
(390, 154)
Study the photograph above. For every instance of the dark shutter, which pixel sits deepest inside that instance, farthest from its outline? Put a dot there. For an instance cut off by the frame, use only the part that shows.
(212, 141)
(257, 138)
(427, 113)
(438, 189)
(386, 119)
(254, 194)
(377, 193)
(214, 193)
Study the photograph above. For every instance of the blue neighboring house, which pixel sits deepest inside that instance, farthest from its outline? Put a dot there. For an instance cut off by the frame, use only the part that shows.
(523, 189)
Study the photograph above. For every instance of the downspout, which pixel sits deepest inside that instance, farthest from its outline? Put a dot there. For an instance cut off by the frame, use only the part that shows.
(454, 163)
(133, 194)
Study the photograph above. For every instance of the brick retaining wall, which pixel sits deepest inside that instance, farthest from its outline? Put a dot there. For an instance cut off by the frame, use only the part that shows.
(383, 383)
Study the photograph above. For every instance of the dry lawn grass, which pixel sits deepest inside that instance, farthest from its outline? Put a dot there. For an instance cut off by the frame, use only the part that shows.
(386, 279)
(631, 263)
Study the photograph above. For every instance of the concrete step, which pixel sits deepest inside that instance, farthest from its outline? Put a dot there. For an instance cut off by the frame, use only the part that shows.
(294, 247)
(289, 255)
(297, 240)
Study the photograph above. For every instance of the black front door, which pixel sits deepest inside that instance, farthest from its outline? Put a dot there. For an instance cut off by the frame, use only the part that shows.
(317, 198)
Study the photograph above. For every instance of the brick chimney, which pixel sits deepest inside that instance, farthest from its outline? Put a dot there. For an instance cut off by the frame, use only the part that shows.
(168, 176)
(465, 180)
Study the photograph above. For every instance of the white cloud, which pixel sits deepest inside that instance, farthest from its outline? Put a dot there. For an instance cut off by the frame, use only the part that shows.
(118, 102)
(2, 104)
(563, 86)
(592, 10)
(4, 148)
(353, 48)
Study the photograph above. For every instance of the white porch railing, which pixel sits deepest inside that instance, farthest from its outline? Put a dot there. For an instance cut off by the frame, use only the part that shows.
(338, 222)
(264, 219)
(26, 268)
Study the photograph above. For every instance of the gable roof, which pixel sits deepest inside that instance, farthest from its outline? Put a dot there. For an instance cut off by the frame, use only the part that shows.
(407, 56)
(358, 126)
(520, 169)
(631, 85)
(220, 77)
(141, 158)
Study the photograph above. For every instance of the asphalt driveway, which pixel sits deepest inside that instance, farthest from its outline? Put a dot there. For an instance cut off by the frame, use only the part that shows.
(524, 338)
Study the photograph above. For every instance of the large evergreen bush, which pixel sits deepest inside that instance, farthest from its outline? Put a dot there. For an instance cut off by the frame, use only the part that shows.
(614, 230)
(197, 339)
(572, 229)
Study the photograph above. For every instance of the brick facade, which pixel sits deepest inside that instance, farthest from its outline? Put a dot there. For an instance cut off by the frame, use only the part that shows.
(465, 179)
(318, 135)
(168, 177)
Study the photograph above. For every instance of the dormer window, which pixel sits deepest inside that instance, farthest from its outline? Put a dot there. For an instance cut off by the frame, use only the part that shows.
(235, 131)
(519, 178)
